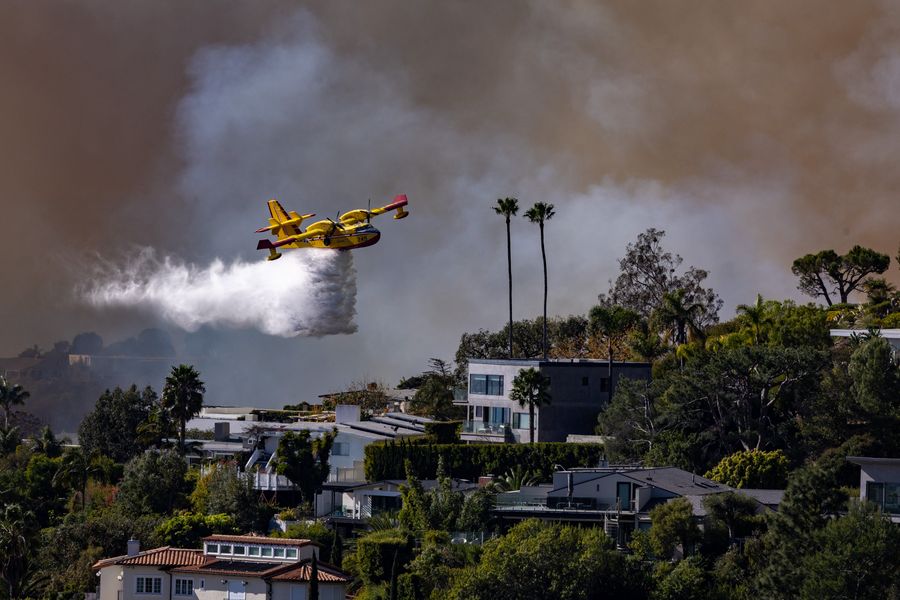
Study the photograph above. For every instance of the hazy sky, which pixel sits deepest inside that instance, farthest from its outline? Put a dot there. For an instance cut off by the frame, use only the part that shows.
(751, 132)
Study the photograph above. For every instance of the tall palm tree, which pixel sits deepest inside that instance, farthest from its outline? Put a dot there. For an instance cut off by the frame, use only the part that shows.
(508, 207)
(755, 313)
(679, 316)
(183, 397)
(10, 395)
(540, 213)
(533, 389)
(611, 323)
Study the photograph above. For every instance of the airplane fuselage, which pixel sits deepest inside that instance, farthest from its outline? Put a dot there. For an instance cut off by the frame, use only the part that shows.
(333, 238)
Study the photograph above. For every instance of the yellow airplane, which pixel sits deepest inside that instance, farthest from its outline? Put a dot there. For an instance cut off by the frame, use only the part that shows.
(352, 229)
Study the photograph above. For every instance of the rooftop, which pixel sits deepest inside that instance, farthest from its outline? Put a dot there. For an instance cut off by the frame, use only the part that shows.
(165, 556)
(256, 539)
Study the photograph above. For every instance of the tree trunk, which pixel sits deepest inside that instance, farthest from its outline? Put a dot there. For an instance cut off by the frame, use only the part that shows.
(544, 258)
(509, 269)
(531, 422)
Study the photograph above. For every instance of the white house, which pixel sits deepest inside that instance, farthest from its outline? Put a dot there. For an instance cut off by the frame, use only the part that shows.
(229, 567)
(879, 483)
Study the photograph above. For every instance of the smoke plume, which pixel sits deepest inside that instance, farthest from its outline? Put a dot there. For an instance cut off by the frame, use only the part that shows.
(302, 294)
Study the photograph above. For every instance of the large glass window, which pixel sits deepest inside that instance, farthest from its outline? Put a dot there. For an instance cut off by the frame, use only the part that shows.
(291, 553)
(267, 551)
(278, 552)
(521, 421)
(253, 550)
(885, 495)
(340, 449)
(212, 548)
(499, 416)
(490, 385)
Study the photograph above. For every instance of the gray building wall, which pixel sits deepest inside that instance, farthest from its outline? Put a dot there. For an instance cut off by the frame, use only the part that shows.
(579, 390)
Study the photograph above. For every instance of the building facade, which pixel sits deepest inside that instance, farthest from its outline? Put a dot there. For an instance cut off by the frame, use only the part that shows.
(227, 568)
(579, 390)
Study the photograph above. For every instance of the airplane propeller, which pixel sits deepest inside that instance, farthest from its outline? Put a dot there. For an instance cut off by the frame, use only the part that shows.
(369, 212)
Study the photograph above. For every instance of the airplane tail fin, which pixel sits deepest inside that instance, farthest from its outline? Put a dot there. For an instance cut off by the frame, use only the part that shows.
(398, 204)
(283, 223)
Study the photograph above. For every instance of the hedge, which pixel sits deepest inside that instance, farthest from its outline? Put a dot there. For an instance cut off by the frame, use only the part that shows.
(385, 460)
(376, 552)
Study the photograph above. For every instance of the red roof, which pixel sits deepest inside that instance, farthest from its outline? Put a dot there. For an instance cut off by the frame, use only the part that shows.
(256, 539)
(165, 556)
(302, 572)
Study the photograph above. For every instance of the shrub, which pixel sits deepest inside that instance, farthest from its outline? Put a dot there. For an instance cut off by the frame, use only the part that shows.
(385, 460)
(752, 469)
(376, 553)
(443, 432)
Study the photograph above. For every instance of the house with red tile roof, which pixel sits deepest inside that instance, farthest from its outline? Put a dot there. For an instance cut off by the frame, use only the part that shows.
(229, 567)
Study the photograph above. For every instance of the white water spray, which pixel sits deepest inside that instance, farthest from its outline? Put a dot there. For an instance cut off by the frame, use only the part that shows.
(302, 294)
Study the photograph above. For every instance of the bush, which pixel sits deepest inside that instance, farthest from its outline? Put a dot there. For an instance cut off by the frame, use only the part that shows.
(385, 460)
(376, 553)
(891, 321)
(443, 432)
(315, 531)
(752, 469)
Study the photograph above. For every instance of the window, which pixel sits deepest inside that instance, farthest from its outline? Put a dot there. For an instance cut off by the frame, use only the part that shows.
(521, 421)
(212, 548)
(340, 449)
(149, 585)
(499, 416)
(291, 553)
(278, 552)
(184, 587)
(239, 550)
(253, 550)
(224, 549)
(266, 551)
(479, 411)
(490, 385)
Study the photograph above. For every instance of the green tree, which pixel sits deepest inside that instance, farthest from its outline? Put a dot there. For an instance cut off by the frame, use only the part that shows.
(222, 490)
(508, 208)
(154, 483)
(304, 460)
(549, 561)
(679, 316)
(183, 397)
(540, 213)
(476, 511)
(111, 428)
(415, 503)
(673, 525)
(752, 469)
(690, 579)
(826, 273)
(434, 398)
(186, 529)
(755, 315)
(19, 576)
(10, 395)
(445, 504)
(736, 513)
(76, 469)
(634, 419)
(876, 378)
(855, 556)
(46, 443)
(611, 323)
(531, 389)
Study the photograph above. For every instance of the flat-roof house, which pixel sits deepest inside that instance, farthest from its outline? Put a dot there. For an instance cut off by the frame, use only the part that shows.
(579, 390)
(229, 567)
(879, 483)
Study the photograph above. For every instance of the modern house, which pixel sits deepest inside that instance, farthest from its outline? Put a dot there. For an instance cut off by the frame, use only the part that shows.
(579, 390)
(253, 445)
(891, 335)
(618, 497)
(879, 483)
(229, 567)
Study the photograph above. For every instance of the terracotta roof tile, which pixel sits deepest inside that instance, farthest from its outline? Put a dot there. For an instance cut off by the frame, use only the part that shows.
(256, 539)
(215, 566)
(158, 557)
(303, 571)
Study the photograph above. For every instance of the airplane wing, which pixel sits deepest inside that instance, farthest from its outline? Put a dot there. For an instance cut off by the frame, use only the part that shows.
(355, 216)
(283, 223)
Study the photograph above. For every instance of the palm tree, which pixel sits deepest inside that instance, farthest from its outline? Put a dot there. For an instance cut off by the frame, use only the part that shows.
(183, 397)
(531, 388)
(755, 313)
(508, 207)
(76, 469)
(514, 480)
(539, 213)
(46, 443)
(10, 395)
(679, 316)
(645, 343)
(611, 323)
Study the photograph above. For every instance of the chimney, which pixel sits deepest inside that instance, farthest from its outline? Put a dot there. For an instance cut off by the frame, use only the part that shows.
(134, 547)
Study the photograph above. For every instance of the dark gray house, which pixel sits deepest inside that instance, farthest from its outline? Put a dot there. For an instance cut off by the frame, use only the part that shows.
(579, 390)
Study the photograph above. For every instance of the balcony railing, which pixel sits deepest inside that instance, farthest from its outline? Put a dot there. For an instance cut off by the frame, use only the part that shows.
(483, 428)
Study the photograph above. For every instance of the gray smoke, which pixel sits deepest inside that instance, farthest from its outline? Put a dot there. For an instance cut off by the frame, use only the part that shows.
(303, 294)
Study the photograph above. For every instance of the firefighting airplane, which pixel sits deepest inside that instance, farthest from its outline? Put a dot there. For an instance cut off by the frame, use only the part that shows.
(352, 229)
